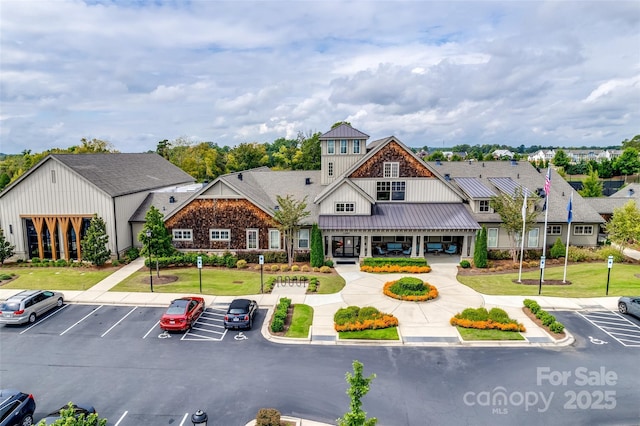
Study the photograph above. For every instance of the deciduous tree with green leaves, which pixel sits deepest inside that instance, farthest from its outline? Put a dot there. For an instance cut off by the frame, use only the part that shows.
(289, 218)
(480, 249)
(68, 418)
(358, 388)
(160, 241)
(628, 163)
(6, 248)
(510, 210)
(94, 244)
(591, 186)
(624, 226)
(317, 248)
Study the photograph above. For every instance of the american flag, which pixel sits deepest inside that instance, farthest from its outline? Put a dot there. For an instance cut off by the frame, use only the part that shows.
(547, 182)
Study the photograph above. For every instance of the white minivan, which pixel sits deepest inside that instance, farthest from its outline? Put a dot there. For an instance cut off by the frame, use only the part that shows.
(27, 305)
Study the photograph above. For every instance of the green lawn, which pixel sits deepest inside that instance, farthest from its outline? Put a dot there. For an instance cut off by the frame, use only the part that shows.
(476, 334)
(218, 281)
(390, 333)
(301, 321)
(587, 280)
(55, 278)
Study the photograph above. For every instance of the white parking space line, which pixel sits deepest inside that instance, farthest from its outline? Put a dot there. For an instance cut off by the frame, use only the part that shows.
(42, 319)
(616, 326)
(84, 318)
(121, 418)
(184, 419)
(121, 319)
(151, 329)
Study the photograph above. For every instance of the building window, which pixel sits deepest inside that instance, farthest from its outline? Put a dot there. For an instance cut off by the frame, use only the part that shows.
(303, 238)
(554, 230)
(391, 170)
(356, 146)
(219, 234)
(492, 237)
(343, 146)
(484, 206)
(330, 169)
(274, 239)
(252, 239)
(533, 237)
(582, 230)
(182, 235)
(345, 207)
(397, 191)
(331, 147)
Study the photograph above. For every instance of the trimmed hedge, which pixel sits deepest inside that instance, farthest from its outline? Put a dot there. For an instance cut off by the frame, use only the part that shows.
(396, 269)
(546, 318)
(280, 315)
(354, 318)
(401, 261)
(410, 289)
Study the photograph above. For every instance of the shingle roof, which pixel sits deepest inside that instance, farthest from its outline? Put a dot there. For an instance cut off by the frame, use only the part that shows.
(344, 131)
(631, 190)
(162, 201)
(404, 216)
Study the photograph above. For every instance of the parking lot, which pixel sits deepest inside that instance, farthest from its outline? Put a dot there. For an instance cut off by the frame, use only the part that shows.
(621, 328)
(117, 322)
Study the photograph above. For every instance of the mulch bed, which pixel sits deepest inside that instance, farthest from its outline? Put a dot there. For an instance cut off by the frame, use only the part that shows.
(557, 336)
(287, 323)
(163, 279)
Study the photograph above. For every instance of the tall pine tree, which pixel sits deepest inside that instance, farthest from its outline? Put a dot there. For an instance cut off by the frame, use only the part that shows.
(94, 244)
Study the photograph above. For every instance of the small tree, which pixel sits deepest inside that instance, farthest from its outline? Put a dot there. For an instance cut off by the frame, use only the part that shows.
(160, 241)
(624, 225)
(358, 388)
(317, 248)
(288, 217)
(68, 418)
(591, 186)
(561, 159)
(480, 249)
(94, 244)
(6, 248)
(510, 210)
(557, 250)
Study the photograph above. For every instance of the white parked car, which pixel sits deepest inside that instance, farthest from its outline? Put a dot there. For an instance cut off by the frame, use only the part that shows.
(27, 305)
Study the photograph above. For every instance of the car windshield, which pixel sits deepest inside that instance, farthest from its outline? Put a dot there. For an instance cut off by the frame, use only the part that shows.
(9, 306)
(177, 307)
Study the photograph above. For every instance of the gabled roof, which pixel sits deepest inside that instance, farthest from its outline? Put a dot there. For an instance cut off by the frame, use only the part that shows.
(344, 131)
(631, 190)
(118, 174)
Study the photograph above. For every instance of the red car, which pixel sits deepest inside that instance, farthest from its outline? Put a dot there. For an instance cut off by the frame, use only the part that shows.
(182, 313)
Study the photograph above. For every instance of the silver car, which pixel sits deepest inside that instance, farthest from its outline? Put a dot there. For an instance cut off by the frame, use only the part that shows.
(27, 305)
(629, 305)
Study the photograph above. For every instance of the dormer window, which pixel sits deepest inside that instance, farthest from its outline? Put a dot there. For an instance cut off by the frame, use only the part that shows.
(391, 170)
(343, 146)
(331, 147)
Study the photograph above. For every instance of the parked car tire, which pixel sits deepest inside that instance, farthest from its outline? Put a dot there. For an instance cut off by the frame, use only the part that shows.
(32, 318)
(60, 302)
(26, 420)
(622, 307)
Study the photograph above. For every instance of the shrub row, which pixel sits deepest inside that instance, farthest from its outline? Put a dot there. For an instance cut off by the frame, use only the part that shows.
(4, 277)
(280, 315)
(191, 259)
(411, 292)
(354, 318)
(396, 269)
(401, 261)
(482, 319)
(546, 318)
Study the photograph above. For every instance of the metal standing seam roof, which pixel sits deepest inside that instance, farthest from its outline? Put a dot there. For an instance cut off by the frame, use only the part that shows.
(508, 186)
(405, 216)
(474, 187)
(344, 131)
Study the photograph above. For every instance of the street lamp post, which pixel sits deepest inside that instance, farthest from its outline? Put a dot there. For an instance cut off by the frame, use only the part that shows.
(150, 269)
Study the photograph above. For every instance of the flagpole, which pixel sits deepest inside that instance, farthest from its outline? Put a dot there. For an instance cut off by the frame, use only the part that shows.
(524, 222)
(547, 187)
(569, 219)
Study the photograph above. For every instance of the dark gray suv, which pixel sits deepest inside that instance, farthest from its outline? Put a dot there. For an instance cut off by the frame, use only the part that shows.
(16, 408)
(27, 305)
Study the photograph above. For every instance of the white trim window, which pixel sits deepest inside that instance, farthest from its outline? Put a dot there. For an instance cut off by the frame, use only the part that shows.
(252, 239)
(345, 207)
(554, 230)
(492, 237)
(398, 190)
(330, 168)
(274, 239)
(391, 169)
(219, 234)
(532, 241)
(331, 147)
(303, 238)
(390, 191)
(582, 230)
(182, 235)
(343, 146)
(356, 146)
(484, 206)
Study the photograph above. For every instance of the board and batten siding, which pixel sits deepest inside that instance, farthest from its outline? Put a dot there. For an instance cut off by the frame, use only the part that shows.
(219, 190)
(417, 190)
(125, 207)
(341, 163)
(345, 194)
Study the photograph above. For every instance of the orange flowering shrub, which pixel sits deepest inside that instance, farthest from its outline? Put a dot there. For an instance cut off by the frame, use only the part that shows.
(396, 269)
(385, 321)
(432, 293)
(354, 318)
(486, 325)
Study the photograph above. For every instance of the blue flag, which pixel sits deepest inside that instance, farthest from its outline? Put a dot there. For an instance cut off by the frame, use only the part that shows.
(570, 209)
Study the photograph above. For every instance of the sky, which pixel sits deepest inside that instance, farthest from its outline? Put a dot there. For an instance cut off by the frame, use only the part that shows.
(436, 74)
